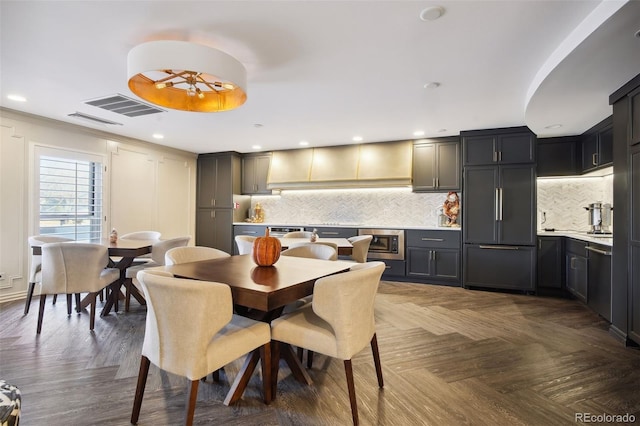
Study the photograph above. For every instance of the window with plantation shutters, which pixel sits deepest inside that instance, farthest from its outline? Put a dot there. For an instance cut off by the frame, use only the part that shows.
(70, 194)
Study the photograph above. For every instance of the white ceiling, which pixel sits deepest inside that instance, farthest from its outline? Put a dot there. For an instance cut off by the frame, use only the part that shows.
(325, 71)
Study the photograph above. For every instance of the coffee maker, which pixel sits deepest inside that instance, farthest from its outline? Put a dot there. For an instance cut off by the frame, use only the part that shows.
(599, 217)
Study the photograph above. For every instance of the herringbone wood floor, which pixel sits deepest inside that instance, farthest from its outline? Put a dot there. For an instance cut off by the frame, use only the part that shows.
(450, 356)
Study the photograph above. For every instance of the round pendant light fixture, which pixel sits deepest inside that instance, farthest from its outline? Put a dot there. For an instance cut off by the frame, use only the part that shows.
(186, 76)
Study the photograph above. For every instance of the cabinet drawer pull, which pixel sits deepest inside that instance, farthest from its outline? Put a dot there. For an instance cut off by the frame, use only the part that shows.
(606, 253)
(249, 232)
(594, 159)
(329, 233)
(500, 247)
(432, 239)
(387, 267)
(495, 156)
(497, 204)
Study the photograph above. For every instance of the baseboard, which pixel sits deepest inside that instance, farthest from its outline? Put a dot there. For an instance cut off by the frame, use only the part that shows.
(10, 297)
(618, 334)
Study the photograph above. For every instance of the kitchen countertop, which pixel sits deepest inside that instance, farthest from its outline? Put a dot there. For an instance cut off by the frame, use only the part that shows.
(582, 236)
(350, 225)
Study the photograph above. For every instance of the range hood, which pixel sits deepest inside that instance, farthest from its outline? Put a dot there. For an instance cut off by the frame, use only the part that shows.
(349, 166)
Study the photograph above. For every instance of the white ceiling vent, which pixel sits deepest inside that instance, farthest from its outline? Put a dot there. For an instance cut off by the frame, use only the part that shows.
(122, 105)
(93, 119)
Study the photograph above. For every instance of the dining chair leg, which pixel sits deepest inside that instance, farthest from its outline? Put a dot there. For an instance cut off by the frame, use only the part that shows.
(142, 381)
(352, 390)
(43, 299)
(27, 303)
(55, 299)
(309, 359)
(69, 303)
(376, 360)
(300, 353)
(192, 395)
(101, 294)
(78, 303)
(265, 360)
(92, 318)
(275, 366)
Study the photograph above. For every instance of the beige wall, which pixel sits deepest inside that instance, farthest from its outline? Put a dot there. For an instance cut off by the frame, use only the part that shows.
(147, 187)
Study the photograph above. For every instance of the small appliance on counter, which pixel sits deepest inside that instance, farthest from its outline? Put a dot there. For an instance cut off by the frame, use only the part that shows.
(599, 217)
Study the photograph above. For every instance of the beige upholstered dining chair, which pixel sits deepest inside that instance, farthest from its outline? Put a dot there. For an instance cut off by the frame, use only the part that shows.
(298, 234)
(178, 255)
(158, 251)
(35, 275)
(360, 249)
(142, 235)
(312, 250)
(339, 322)
(244, 243)
(75, 268)
(191, 331)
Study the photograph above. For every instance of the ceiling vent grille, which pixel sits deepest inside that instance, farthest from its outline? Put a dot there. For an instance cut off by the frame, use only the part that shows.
(93, 118)
(123, 105)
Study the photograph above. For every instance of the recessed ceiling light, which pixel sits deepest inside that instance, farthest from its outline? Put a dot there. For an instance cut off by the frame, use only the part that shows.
(418, 133)
(258, 125)
(17, 98)
(256, 147)
(432, 13)
(304, 143)
(442, 130)
(357, 138)
(553, 126)
(637, 34)
(432, 85)
(158, 136)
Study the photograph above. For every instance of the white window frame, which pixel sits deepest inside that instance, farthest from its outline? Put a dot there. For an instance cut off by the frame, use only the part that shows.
(44, 151)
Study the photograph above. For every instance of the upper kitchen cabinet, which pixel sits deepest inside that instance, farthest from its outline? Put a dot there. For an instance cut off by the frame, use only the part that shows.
(255, 170)
(385, 163)
(558, 156)
(218, 180)
(289, 168)
(515, 145)
(436, 165)
(335, 164)
(597, 146)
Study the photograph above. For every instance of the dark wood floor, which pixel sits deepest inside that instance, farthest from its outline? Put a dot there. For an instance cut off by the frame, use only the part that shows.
(449, 356)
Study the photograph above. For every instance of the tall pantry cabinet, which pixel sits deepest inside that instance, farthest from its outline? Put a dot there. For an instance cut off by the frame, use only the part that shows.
(499, 208)
(219, 178)
(625, 287)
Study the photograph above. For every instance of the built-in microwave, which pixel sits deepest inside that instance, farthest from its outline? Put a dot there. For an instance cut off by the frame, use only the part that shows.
(386, 243)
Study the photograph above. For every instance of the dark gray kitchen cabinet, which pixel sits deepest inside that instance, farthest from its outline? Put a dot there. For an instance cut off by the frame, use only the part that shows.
(499, 205)
(219, 178)
(436, 165)
(333, 232)
(550, 269)
(597, 146)
(634, 244)
(434, 255)
(498, 146)
(393, 268)
(498, 209)
(214, 228)
(599, 279)
(499, 266)
(255, 171)
(577, 269)
(558, 156)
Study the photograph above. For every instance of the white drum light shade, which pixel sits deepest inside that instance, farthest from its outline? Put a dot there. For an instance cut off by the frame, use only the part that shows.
(186, 76)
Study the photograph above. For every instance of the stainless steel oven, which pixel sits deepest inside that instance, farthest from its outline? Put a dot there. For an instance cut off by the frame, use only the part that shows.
(386, 243)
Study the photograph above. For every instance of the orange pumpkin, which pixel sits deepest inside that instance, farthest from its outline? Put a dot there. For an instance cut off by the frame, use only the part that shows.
(266, 250)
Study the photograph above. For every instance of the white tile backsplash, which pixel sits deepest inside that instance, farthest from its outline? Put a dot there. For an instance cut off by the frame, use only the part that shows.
(393, 207)
(562, 200)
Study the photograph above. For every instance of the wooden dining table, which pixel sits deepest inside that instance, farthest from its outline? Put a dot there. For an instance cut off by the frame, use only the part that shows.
(344, 245)
(262, 292)
(125, 251)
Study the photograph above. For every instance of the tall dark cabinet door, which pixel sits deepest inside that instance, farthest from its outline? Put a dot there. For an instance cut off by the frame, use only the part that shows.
(517, 148)
(448, 166)
(517, 205)
(479, 150)
(634, 244)
(424, 172)
(479, 204)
